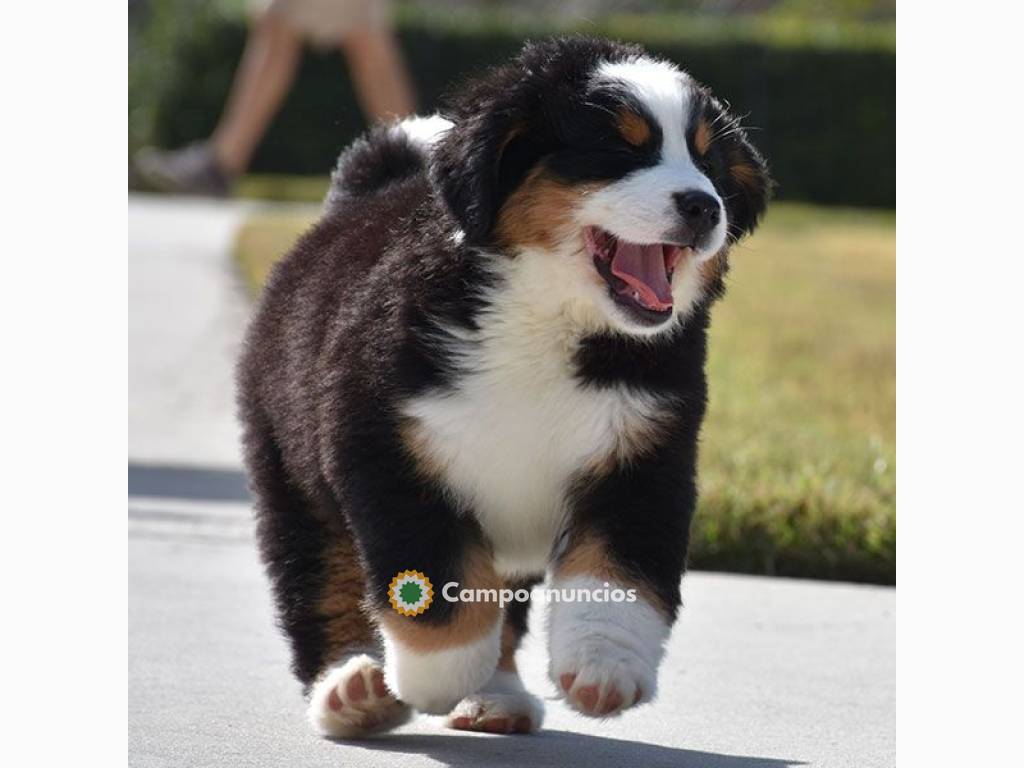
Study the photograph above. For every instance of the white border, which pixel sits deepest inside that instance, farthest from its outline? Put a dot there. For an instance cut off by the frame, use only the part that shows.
(959, 380)
(61, 568)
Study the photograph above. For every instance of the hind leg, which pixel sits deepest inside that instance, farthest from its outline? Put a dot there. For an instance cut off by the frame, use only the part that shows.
(503, 705)
(435, 659)
(318, 586)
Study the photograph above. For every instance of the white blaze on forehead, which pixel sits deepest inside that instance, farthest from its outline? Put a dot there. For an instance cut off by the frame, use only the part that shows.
(664, 89)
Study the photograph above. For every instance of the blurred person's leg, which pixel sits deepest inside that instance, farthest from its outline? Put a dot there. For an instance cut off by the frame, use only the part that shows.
(261, 82)
(264, 76)
(379, 74)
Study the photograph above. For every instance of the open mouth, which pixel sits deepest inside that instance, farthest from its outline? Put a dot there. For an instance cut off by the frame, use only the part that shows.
(639, 275)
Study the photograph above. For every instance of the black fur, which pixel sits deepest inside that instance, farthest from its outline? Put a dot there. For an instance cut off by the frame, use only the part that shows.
(347, 329)
(541, 115)
(333, 346)
(382, 157)
(643, 509)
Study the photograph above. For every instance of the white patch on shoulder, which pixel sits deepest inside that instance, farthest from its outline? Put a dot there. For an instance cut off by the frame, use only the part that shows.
(611, 646)
(424, 131)
(435, 681)
(518, 426)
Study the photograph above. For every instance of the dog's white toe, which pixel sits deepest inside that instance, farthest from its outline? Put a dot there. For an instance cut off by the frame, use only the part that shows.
(601, 678)
(503, 705)
(350, 700)
(604, 657)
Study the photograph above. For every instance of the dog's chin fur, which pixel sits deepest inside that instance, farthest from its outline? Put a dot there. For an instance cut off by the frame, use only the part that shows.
(438, 378)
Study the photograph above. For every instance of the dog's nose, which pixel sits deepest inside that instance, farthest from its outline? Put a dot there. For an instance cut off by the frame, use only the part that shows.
(700, 211)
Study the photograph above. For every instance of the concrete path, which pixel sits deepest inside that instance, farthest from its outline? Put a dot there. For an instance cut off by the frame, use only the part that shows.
(760, 673)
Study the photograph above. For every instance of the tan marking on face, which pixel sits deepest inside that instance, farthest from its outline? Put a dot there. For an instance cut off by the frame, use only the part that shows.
(702, 137)
(541, 211)
(587, 555)
(341, 602)
(712, 270)
(633, 128)
(468, 622)
(744, 173)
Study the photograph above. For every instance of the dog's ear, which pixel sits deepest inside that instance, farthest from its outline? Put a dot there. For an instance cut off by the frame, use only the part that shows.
(494, 141)
(739, 170)
(507, 121)
(750, 186)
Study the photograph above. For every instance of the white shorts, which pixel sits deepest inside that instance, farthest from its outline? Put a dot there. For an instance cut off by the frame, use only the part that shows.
(328, 22)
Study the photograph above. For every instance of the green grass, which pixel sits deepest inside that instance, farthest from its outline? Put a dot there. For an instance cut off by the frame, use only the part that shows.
(292, 189)
(262, 240)
(798, 472)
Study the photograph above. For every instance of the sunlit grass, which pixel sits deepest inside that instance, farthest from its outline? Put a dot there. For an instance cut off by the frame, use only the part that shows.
(798, 452)
(298, 189)
(265, 238)
(799, 447)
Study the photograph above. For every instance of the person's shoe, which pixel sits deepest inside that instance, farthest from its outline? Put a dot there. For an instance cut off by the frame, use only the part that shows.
(188, 171)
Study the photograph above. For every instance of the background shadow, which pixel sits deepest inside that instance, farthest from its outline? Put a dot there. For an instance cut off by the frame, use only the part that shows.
(178, 481)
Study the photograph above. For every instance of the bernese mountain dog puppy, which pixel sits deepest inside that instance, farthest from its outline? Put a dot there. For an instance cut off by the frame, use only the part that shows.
(485, 364)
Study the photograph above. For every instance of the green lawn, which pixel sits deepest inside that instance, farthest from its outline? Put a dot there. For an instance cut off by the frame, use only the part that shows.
(798, 472)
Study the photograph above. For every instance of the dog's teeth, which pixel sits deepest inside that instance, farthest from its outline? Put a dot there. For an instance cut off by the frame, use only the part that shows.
(636, 295)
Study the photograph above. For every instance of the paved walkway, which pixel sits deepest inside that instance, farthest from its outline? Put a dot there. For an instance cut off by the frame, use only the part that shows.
(760, 673)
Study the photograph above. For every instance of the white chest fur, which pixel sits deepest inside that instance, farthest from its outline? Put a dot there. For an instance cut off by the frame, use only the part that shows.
(519, 426)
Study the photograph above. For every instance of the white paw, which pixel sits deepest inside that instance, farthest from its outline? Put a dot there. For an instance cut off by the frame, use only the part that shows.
(601, 678)
(350, 700)
(604, 657)
(435, 681)
(503, 705)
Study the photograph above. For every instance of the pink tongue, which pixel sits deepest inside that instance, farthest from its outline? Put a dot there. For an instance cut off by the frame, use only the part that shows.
(642, 267)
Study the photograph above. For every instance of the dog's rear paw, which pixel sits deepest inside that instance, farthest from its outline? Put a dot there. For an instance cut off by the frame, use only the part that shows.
(350, 701)
(503, 705)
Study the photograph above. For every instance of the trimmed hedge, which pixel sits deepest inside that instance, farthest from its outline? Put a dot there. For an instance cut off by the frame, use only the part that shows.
(822, 98)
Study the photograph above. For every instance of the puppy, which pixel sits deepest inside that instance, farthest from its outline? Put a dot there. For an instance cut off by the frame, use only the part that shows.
(484, 365)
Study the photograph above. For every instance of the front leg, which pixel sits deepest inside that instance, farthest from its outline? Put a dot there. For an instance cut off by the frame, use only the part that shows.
(435, 652)
(404, 521)
(433, 660)
(617, 584)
